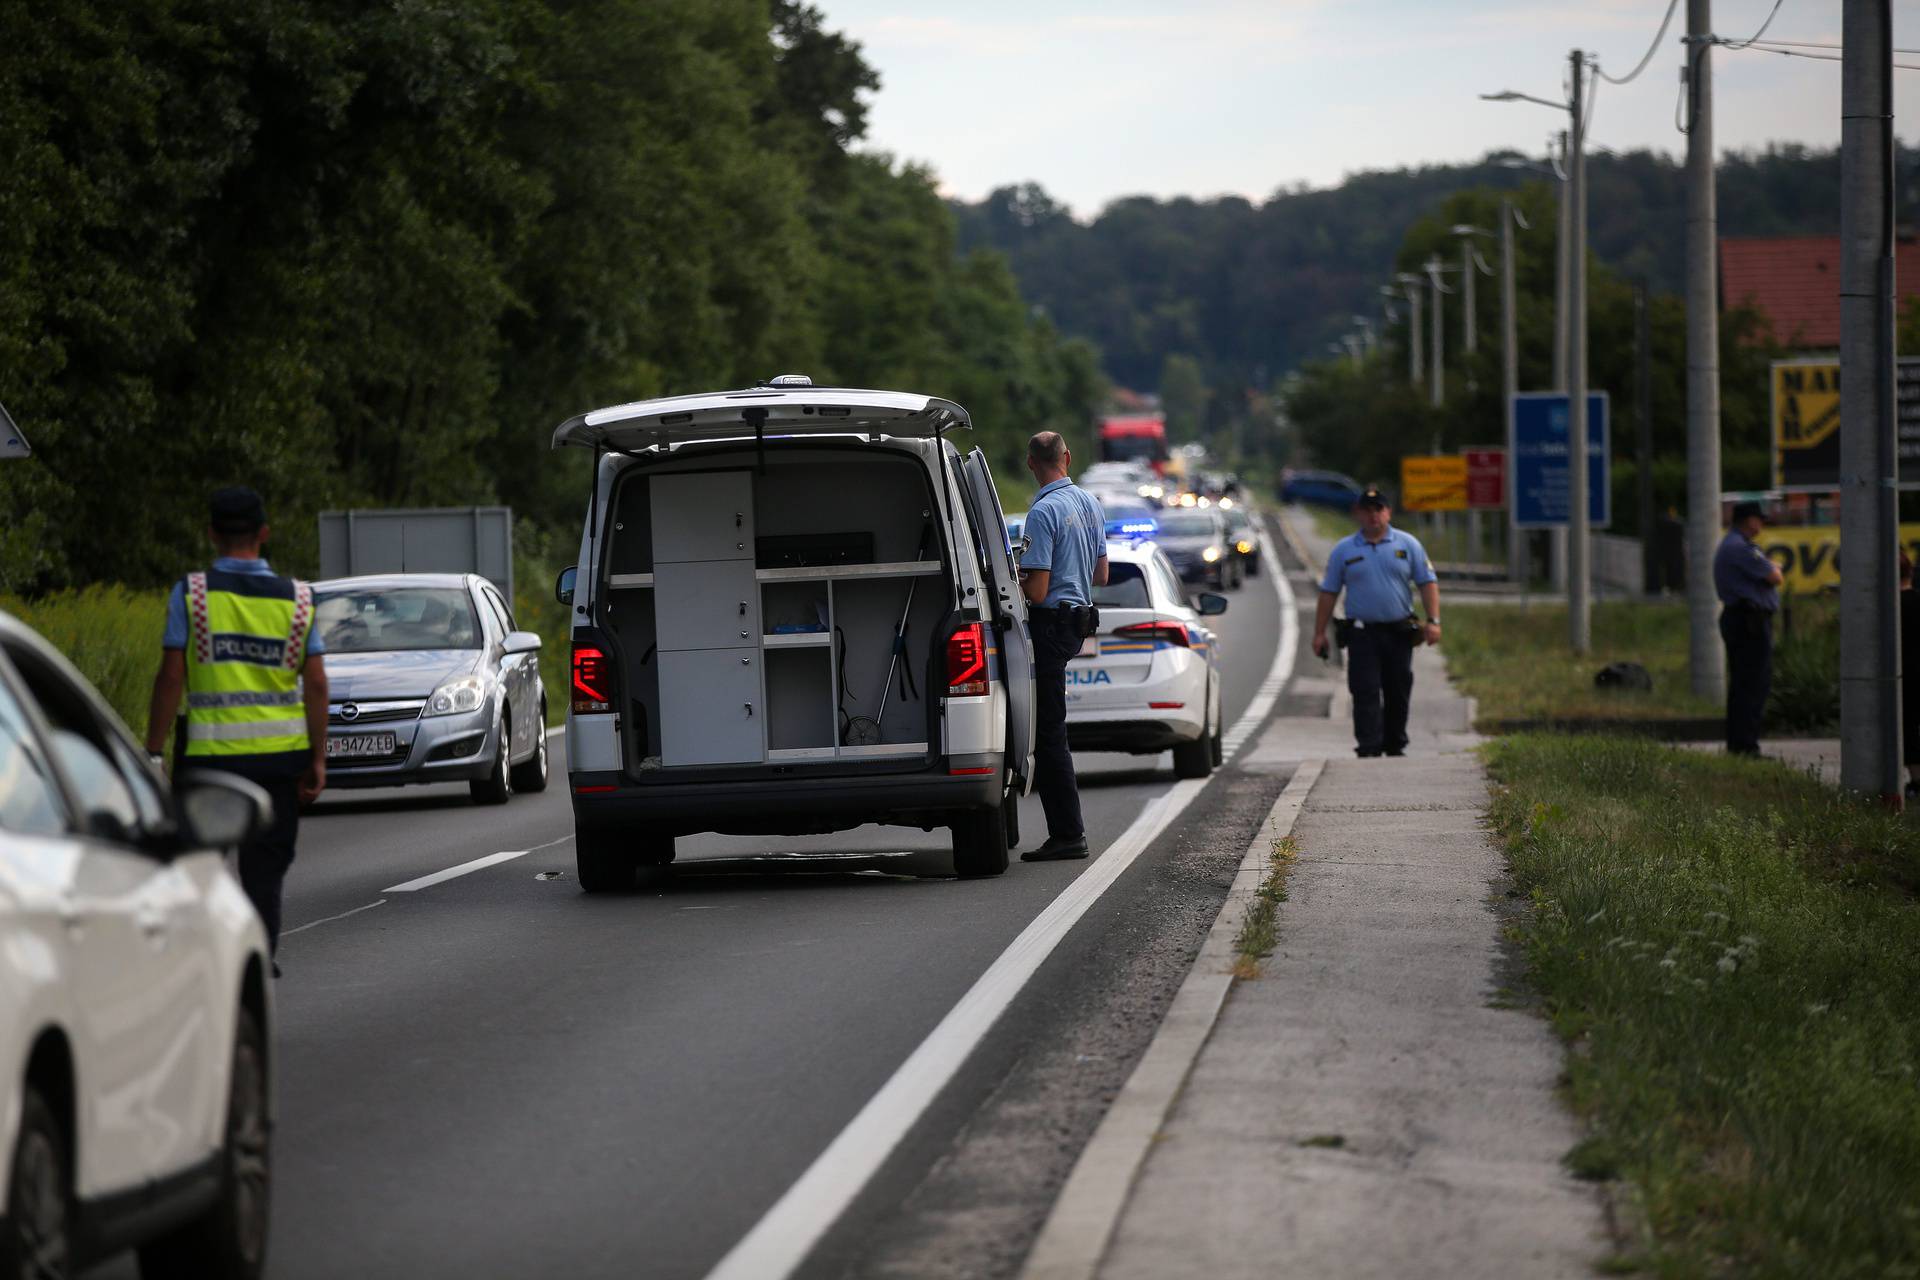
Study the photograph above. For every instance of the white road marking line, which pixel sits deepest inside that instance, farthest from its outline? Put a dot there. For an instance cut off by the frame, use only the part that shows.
(781, 1240)
(1283, 658)
(467, 868)
(315, 924)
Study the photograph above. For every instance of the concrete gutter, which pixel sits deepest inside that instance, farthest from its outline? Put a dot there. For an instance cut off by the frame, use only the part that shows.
(1076, 1233)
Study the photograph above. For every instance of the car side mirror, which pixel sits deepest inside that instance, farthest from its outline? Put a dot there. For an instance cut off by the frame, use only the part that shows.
(1211, 605)
(219, 811)
(563, 585)
(520, 642)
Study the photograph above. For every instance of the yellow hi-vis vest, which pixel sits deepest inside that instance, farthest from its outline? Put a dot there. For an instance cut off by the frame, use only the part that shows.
(248, 643)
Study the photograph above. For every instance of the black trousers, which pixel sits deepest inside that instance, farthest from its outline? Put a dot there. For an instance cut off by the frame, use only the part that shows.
(265, 860)
(1380, 678)
(1748, 636)
(1054, 645)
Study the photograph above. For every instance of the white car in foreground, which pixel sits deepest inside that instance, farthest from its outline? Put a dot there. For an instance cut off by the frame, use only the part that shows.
(135, 1006)
(1149, 681)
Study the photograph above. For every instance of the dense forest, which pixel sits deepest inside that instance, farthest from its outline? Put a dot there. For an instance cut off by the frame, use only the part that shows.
(1228, 308)
(1249, 291)
(371, 255)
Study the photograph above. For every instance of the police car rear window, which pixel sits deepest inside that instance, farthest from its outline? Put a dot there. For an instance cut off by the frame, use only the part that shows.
(1126, 588)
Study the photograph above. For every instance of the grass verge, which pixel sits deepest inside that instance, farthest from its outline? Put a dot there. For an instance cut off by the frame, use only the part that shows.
(1260, 930)
(1730, 948)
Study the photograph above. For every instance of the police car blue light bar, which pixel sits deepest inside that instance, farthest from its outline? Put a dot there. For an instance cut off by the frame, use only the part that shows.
(1133, 527)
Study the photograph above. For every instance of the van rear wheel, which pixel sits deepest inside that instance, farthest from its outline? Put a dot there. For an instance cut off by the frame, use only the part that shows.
(606, 864)
(980, 842)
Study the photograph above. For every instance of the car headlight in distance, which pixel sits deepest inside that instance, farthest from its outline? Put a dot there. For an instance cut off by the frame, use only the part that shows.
(1244, 547)
(1210, 554)
(462, 693)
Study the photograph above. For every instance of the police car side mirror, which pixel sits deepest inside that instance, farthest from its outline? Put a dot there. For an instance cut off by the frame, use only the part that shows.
(1210, 605)
(563, 585)
(219, 811)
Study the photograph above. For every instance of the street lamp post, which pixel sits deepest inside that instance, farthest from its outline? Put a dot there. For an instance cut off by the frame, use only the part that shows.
(1574, 224)
(1410, 285)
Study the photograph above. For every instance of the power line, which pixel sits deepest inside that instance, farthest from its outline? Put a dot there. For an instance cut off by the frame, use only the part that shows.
(1653, 48)
(1813, 44)
(1818, 57)
(1742, 44)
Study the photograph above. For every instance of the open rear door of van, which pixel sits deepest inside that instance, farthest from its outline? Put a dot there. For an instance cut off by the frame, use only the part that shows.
(1009, 616)
(763, 413)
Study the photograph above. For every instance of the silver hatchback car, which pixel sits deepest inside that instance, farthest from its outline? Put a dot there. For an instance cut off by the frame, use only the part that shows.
(430, 682)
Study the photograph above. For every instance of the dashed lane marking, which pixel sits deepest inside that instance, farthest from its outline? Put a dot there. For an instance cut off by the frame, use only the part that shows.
(467, 868)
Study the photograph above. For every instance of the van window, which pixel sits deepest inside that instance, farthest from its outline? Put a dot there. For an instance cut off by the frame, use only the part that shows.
(1126, 588)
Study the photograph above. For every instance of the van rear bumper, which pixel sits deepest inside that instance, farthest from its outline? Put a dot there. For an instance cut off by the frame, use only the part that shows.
(777, 806)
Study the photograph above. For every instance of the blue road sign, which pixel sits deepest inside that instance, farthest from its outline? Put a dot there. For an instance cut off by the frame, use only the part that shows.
(1539, 453)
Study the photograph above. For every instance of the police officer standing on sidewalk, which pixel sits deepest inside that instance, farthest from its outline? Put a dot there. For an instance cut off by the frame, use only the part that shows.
(1748, 584)
(240, 644)
(1066, 557)
(1379, 567)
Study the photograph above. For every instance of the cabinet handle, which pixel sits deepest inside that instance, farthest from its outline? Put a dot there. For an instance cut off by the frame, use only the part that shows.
(743, 635)
(743, 608)
(746, 662)
(749, 708)
(737, 517)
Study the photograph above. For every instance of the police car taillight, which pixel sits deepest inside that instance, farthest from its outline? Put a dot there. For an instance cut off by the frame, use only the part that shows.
(967, 661)
(1167, 632)
(592, 683)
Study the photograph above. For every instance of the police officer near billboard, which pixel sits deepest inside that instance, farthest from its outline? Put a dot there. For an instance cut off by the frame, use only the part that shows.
(1379, 567)
(240, 645)
(1748, 584)
(1065, 559)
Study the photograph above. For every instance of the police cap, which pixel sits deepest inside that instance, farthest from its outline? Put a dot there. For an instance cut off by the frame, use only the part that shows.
(1373, 496)
(237, 509)
(1748, 511)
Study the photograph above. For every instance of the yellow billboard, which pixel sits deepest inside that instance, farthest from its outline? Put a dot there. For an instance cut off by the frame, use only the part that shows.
(1433, 482)
(1809, 557)
(1806, 424)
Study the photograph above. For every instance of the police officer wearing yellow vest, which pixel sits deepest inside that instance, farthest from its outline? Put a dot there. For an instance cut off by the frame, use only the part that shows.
(241, 645)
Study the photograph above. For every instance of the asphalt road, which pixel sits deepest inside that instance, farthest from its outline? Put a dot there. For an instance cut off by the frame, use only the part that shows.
(497, 1076)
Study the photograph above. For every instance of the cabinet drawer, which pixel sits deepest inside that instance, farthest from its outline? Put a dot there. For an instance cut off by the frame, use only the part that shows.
(711, 708)
(708, 516)
(708, 604)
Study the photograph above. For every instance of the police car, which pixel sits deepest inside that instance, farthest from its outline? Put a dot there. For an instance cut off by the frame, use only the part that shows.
(1149, 681)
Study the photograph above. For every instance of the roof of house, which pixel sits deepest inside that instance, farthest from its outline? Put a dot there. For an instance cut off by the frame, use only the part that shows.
(1795, 282)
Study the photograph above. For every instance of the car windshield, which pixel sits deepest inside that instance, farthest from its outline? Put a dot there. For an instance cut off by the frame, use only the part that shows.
(1186, 524)
(385, 619)
(1126, 588)
(1237, 519)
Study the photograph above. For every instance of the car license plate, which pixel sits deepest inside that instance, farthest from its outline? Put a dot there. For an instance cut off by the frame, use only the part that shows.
(358, 745)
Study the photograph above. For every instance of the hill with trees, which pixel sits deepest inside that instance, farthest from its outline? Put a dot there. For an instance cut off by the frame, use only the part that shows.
(372, 254)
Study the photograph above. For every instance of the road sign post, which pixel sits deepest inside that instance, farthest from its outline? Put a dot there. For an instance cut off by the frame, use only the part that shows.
(1540, 460)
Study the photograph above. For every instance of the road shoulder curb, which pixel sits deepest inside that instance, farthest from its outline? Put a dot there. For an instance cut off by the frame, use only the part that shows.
(1077, 1230)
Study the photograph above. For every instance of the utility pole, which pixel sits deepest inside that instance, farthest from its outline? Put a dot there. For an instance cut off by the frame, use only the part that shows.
(1579, 532)
(1870, 747)
(1705, 660)
(1643, 433)
(1562, 256)
(1466, 274)
(1438, 371)
(1411, 283)
(1509, 387)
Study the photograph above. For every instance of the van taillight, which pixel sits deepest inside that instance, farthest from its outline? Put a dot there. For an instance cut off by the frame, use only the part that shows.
(967, 661)
(591, 685)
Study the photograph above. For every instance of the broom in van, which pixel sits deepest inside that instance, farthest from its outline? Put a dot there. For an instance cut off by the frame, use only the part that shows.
(859, 731)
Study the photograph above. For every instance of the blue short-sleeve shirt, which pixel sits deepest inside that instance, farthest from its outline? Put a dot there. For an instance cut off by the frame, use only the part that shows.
(1066, 535)
(1379, 577)
(175, 635)
(1742, 574)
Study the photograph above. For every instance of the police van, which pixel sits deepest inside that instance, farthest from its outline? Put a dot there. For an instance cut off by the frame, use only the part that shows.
(795, 610)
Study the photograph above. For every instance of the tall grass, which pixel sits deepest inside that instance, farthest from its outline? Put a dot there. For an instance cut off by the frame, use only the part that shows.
(111, 633)
(1733, 951)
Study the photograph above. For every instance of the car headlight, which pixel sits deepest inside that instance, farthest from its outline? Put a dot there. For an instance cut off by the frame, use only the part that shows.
(1210, 554)
(1244, 547)
(462, 693)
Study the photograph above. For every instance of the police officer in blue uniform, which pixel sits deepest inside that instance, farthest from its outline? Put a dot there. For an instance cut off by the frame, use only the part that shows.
(1065, 559)
(1748, 584)
(1379, 567)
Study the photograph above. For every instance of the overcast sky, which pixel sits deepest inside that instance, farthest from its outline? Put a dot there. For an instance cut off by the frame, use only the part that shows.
(1095, 99)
